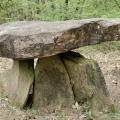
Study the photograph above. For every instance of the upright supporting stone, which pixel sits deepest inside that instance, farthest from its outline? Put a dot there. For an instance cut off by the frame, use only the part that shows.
(52, 87)
(20, 82)
(87, 81)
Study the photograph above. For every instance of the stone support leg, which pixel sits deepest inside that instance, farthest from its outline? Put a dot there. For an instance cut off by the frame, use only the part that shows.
(20, 81)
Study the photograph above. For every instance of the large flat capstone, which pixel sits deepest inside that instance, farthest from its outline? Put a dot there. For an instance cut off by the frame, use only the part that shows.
(32, 39)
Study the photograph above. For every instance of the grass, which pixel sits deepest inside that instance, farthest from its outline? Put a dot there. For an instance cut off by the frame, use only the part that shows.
(73, 115)
(103, 48)
(109, 116)
(57, 10)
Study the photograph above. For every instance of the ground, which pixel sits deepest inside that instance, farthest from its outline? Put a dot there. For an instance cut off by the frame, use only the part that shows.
(108, 57)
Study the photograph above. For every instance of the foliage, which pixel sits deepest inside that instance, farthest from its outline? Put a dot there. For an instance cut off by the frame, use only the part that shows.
(13, 10)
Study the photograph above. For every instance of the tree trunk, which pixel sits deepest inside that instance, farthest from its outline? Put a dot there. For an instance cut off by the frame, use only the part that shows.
(66, 9)
(82, 7)
(117, 3)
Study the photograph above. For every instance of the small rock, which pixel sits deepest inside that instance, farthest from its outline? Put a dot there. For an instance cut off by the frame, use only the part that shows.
(114, 82)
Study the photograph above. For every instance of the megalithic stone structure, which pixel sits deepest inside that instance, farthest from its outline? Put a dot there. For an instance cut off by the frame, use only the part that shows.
(23, 41)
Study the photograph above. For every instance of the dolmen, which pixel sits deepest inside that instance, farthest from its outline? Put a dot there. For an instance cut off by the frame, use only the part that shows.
(61, 77)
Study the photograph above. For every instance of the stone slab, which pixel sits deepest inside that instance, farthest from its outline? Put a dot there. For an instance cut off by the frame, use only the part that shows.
(35, 39)
(20, 80)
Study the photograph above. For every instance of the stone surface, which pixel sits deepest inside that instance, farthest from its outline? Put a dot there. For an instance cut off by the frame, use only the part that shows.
(87, 81)
(21, 78)
(25, 40)
(52, 89)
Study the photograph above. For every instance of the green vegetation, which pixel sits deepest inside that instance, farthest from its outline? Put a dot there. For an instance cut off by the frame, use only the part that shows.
(104, 48)
(12, 10)
(109, 116)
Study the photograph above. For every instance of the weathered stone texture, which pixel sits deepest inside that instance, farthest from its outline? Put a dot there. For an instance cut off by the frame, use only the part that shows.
(87, 81)
(52, 87)
(21, 79)
(25, 40)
